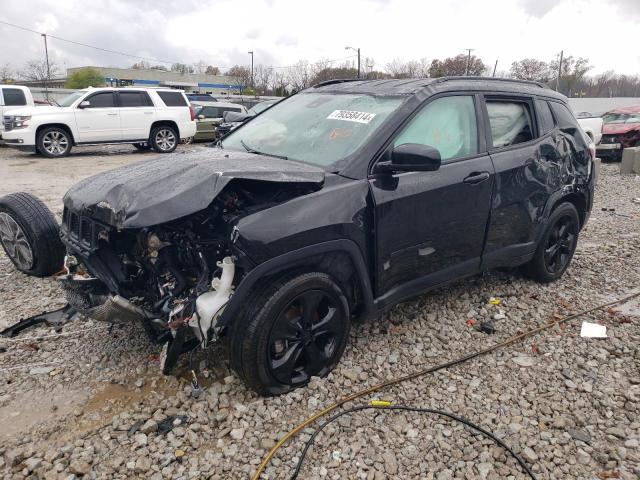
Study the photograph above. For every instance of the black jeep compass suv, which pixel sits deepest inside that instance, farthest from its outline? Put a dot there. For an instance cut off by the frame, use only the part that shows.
(335, 203)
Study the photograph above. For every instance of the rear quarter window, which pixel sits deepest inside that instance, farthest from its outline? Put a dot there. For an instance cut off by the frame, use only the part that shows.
(567, 123)
(173, 99)
(545, 119)
(13, 97)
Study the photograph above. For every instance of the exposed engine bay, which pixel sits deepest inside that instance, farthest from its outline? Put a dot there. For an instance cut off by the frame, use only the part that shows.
(176, 277)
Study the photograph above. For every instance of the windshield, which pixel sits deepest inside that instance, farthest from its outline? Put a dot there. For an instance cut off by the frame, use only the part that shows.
(621, 118)
(317, 128)
(260, 107)
(69, 99)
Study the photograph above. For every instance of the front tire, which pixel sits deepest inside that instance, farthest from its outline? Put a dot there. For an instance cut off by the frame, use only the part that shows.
(29, 235)
(164, 139)
(54, 142)
(295, 329)
(556, 248)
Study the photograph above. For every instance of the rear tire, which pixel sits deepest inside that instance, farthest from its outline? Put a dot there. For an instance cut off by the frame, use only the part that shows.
(296, 328)
(557, 245)
(29, 235)
(54, 142)
(164, 139)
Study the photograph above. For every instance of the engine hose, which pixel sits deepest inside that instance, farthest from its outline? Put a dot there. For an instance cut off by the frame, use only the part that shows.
(373, 406)
(426, 371)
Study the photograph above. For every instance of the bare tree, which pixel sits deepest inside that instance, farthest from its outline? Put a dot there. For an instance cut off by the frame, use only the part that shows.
(181, 68)
(144, 65)
(36, 70)
(6, 73)
(299, 75)
(280, 83)
(262, 77)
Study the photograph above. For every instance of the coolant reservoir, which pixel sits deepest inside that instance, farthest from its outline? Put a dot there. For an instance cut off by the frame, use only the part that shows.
(210, 304)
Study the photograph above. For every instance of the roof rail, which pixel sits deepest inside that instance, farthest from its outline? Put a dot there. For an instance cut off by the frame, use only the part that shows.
(499, 79)
(336, 80)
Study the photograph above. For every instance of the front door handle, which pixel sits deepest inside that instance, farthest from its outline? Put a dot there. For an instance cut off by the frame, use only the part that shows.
(112, 114)
(477, 177)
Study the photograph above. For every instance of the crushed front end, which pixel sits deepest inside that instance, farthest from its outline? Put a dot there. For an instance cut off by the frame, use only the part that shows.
(174, 278)
(155, 242)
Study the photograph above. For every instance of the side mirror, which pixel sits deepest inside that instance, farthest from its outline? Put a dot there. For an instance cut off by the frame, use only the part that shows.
(411, 157)
(84, 104)
(201, 117)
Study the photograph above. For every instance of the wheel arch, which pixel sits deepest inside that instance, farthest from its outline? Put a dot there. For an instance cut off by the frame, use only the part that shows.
(342, 259)
(578, 201)
(165, 123)
(63, 126)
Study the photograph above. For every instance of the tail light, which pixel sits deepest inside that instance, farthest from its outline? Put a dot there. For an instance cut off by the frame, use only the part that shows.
(193, 113)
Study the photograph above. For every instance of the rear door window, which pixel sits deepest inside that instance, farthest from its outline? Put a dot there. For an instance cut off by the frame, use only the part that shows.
(14, 97)
(510, 121)
(102, 100)
(447, 124)
(134, 99)
(173, 99)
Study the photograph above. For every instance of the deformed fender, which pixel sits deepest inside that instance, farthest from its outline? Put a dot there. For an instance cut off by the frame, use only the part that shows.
(284, 261)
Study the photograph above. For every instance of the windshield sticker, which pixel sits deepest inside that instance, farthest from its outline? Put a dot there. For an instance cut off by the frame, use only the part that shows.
(351, 116)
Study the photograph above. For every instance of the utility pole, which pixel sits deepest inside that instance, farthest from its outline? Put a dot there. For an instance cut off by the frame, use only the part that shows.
(559, 70)
(251, 53)
(48, 80)
(469, 60)
(355, 50)
(494, 69)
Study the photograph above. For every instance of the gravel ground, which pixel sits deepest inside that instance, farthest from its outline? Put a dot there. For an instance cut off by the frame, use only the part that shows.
(570, 406)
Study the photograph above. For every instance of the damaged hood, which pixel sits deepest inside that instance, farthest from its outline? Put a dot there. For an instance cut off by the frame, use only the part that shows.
(171, 186)
(619, 128)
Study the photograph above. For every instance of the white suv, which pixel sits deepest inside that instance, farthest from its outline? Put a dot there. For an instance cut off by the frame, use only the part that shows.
(145, 117)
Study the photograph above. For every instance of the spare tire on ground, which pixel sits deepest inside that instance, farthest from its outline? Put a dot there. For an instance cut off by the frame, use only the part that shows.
(29, 235)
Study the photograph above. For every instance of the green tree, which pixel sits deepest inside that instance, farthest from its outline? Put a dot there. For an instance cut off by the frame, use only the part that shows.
(85, 77)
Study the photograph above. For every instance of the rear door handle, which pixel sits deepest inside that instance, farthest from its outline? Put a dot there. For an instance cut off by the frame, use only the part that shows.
(477, 177)
(112, 114)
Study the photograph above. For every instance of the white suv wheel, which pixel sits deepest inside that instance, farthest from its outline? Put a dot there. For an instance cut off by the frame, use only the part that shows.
(165, 139)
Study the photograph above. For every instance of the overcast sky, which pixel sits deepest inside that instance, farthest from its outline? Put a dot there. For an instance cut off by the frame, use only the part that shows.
(281, 32)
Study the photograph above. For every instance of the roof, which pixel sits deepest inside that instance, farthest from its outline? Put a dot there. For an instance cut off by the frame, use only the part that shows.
(626, 110)
(414, 85)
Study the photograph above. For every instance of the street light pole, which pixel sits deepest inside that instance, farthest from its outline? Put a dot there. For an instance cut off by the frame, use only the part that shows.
(46, 53)
(251, 53)
(469, 60)
(355, 50)
(559, 70)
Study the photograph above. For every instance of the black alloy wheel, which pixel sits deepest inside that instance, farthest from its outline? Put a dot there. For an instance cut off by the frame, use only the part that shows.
(304, 337)
(556, 246)
(560, 244)
(293, 328)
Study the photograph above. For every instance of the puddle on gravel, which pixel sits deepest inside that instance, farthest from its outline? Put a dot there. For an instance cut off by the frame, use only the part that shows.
(29, 409)
(55, 409)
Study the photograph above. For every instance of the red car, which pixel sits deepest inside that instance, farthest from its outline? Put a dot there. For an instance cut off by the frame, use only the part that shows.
(621, 130)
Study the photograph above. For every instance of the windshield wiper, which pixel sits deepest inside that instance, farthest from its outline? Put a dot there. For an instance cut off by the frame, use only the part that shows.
(257, 152)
